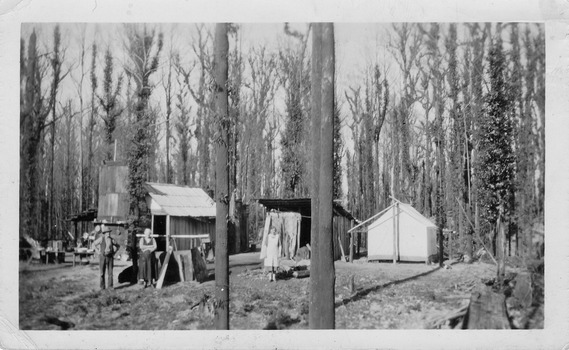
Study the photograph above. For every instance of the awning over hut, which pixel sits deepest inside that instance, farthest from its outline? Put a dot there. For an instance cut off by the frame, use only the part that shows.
(302, 206)
(343, 220)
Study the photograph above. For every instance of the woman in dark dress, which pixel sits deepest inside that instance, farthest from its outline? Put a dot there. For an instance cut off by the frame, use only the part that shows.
(146, 261)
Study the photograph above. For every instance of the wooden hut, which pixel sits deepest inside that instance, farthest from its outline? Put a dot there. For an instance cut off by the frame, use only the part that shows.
(183, 213)
(342, 222)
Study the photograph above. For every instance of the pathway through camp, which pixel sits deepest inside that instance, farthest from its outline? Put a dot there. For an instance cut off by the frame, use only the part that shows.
(368, 296)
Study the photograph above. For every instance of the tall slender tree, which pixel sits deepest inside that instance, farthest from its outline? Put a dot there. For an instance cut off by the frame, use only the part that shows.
(220, 69)
(316, 110)
(56, 63)
(321, 309)
(109, 102)
(91, 125)
(294, 78)
(497, 159)
(35, 107)
(143, 46)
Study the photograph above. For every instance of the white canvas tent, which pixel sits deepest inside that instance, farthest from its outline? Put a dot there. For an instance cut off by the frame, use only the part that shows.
(414, 234)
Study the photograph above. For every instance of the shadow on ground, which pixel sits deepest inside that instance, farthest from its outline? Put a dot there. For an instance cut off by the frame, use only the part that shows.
(362, 293)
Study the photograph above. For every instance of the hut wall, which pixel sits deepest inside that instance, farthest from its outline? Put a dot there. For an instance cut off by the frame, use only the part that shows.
(189, 226)
(341, 225)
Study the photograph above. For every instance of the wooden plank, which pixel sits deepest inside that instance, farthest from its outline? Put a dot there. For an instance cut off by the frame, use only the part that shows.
(487, 310)
(200, 268)
(188, 267)
(342, 249)
(163, 270)
(180, 266)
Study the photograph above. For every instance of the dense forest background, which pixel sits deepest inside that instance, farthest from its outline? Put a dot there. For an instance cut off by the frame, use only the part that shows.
(449, 118)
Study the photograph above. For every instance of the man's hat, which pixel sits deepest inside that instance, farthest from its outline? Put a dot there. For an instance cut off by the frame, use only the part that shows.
(106, 229)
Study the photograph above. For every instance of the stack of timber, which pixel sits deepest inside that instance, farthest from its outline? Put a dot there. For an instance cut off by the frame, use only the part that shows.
(191, 266)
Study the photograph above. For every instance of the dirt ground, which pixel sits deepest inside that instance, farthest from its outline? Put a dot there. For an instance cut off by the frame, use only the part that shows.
(382, 296)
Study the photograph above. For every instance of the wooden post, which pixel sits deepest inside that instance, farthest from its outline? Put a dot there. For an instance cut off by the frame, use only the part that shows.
(394, 232)
(167, 231)
(449, 244)
(134, 253)
(398, 233)
(359, 243)
(351, 247)
(298, 234)
(115, 153)
(75, 228)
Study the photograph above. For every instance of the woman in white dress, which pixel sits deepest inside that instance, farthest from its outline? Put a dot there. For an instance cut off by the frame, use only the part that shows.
(273, 249)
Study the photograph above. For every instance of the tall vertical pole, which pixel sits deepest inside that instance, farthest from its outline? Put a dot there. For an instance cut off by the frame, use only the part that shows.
(220, 69)
(167, 231)
(394, 231)
(316, 105)
(321, 312)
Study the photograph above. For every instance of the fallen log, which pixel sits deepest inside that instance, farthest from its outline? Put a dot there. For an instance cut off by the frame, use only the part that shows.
(487, 310)
(301, 274)
(448, 318)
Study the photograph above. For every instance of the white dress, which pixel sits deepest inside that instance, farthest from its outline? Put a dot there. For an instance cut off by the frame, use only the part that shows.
(273, 245)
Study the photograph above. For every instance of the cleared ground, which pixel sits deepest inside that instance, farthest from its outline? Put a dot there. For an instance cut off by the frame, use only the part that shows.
(382, 296)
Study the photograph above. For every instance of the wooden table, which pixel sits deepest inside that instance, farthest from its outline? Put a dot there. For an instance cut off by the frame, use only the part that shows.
(51, 256)
(81, 255)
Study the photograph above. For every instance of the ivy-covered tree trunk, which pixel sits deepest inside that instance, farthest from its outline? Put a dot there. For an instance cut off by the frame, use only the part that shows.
(496, 158)
(144, 49)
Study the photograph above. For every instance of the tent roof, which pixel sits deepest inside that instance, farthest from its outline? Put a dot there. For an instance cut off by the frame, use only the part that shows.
(415, 214)
(404, 207)
(301, 205)
(178, 200)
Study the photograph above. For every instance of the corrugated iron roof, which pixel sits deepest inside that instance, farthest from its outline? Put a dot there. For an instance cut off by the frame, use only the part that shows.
(176, 200)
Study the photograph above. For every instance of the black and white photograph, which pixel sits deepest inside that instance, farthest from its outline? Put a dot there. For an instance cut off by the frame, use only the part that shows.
(281, 176)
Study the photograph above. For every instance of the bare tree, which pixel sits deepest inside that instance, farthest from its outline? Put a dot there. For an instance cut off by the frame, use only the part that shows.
(35, 106)
(261, 87)
(109, 102)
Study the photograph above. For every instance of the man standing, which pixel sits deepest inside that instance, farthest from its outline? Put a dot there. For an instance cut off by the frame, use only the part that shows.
(106, 247)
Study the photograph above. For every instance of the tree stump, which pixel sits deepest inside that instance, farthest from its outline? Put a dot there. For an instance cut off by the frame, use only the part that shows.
(523, 291)
(487, 310)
